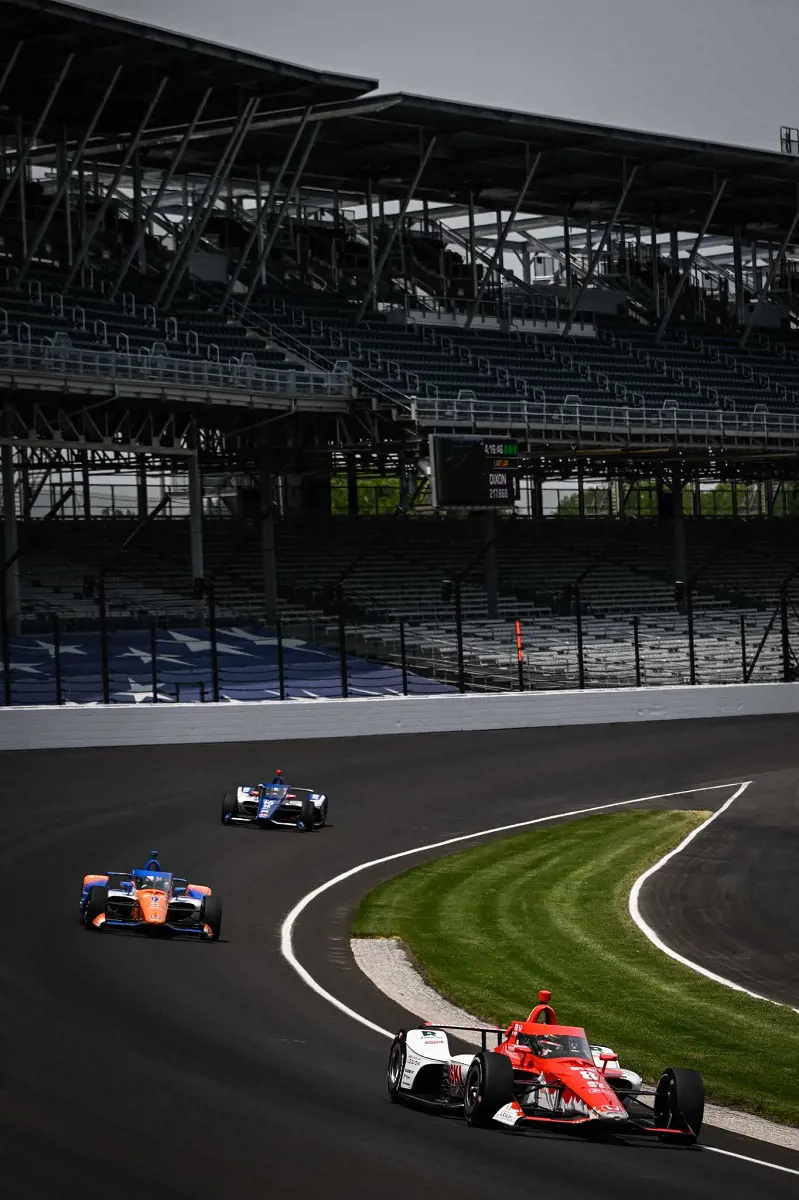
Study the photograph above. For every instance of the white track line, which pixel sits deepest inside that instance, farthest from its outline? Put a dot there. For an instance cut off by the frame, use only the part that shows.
(287, 928)
(647, 930)
(759, 1162)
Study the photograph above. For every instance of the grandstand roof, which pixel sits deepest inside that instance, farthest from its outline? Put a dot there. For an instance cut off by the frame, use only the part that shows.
(483, 151)
(51, 30)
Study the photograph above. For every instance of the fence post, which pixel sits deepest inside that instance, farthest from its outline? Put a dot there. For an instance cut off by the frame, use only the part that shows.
(459, 638)
(743, 649)
(578, 612)
(281, 672)
(59, 695)
(5, 645)
(342, 650)
(212, 631)
(520, 654)
(154, 662)
(786, 645)
(202, 692)
(637, 645)
(403, 657)
(103, 642)
(689, 605)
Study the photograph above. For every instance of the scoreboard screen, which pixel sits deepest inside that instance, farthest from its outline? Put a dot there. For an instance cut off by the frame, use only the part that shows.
(474, 472)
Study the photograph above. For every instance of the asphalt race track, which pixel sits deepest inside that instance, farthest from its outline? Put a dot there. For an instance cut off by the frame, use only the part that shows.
(135, 1066)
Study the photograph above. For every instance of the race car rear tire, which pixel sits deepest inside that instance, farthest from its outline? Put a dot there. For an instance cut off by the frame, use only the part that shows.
(230, 806)
(96, 904)
(489, 1086)
(307, 819)
(680, 1103)
(396, 1068)
(212, 916)
(322, 815)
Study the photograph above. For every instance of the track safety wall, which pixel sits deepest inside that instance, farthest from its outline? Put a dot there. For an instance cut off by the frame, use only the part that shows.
(44, 728)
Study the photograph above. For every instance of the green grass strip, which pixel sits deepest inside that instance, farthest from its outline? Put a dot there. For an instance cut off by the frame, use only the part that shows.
(492, 925)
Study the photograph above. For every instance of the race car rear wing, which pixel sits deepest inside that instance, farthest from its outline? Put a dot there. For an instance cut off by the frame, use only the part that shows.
(482, 1029)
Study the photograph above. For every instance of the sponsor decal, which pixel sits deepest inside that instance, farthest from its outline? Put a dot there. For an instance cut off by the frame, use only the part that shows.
(508, 1114)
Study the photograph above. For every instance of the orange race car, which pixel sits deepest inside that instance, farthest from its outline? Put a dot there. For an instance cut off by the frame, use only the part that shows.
(150, 900)
(541, 1072)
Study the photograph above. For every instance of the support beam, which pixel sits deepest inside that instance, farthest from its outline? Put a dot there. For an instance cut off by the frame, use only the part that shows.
(765, 290)
(10, 543)
(593, 258)
(63, 186)
(196, 521)
(281, 216)
(686, 272)
(503, 237)
(202, 216)
(266, 210)
(397, 226)
(131, 149)
(162, 190)
(9, 67)
(26, 148)
(472, 247)
(268, 555)
(567, 254)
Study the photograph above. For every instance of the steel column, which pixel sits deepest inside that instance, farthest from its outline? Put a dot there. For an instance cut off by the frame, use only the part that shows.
(764, 291)
(268, 557)
(472, 246)
(738, 275)
(266, 210)
(202, 215)
(681, 282)
(495, 257)
(281, 216)
(132, 147)
(370, 226)
(593, 258)
(63, 186)
(10, 579)
(165, 182)
(25, 151)
(196, 520)
(373, 282)
(567, 251)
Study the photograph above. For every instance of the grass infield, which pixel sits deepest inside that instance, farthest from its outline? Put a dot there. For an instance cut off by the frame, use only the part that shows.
(492, 925)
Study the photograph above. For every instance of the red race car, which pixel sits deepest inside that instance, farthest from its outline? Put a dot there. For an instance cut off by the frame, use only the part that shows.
(541, 1072)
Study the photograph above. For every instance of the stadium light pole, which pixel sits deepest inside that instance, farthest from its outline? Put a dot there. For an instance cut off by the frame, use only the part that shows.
(594, 258)
(264, 214)
(772, 274)
(153, 209)
(63, 186)
(389, 246)
(26, 150)
(503, 237)
(132, 147)
(684, 276)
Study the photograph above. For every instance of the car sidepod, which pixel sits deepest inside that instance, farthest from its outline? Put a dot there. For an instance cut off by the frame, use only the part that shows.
(430, 1072)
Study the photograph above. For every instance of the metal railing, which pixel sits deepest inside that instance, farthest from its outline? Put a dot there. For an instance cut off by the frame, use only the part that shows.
(600, 418)
(163, 368)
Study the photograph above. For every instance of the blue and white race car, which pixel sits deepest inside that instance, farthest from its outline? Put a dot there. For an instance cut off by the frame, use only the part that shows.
(275, 803)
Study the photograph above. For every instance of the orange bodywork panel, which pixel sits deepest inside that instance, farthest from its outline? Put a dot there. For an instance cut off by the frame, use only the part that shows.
(90, 880)
(199, 887)
(153, 906)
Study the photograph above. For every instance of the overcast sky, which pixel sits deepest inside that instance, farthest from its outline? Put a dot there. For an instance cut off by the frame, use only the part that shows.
(724, 70)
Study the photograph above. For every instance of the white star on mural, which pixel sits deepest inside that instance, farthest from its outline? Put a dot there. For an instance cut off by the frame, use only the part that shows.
(139, 692)
(145, 656)
(289, 643)
(196, 644)
(50, 648)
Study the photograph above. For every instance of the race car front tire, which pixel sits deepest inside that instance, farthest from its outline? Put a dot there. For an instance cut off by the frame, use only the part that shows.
(96, 904)
(307, 819)
(489, 1087)
(230, 807)
(680, 1103)
(396, 1068)
(321, 814)
(212, 916)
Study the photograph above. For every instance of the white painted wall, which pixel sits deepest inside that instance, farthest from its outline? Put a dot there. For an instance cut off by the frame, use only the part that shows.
(163, 724)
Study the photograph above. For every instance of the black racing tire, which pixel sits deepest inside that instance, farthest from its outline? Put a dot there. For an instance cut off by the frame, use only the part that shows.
(96, 904)
(395, 1068)
(307, 819)
(212, 916)
(322, 815)
(230, 806)
(680, 1104)
(489, 1086)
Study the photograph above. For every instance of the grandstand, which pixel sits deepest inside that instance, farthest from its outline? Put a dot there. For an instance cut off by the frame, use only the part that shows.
(252, 291)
